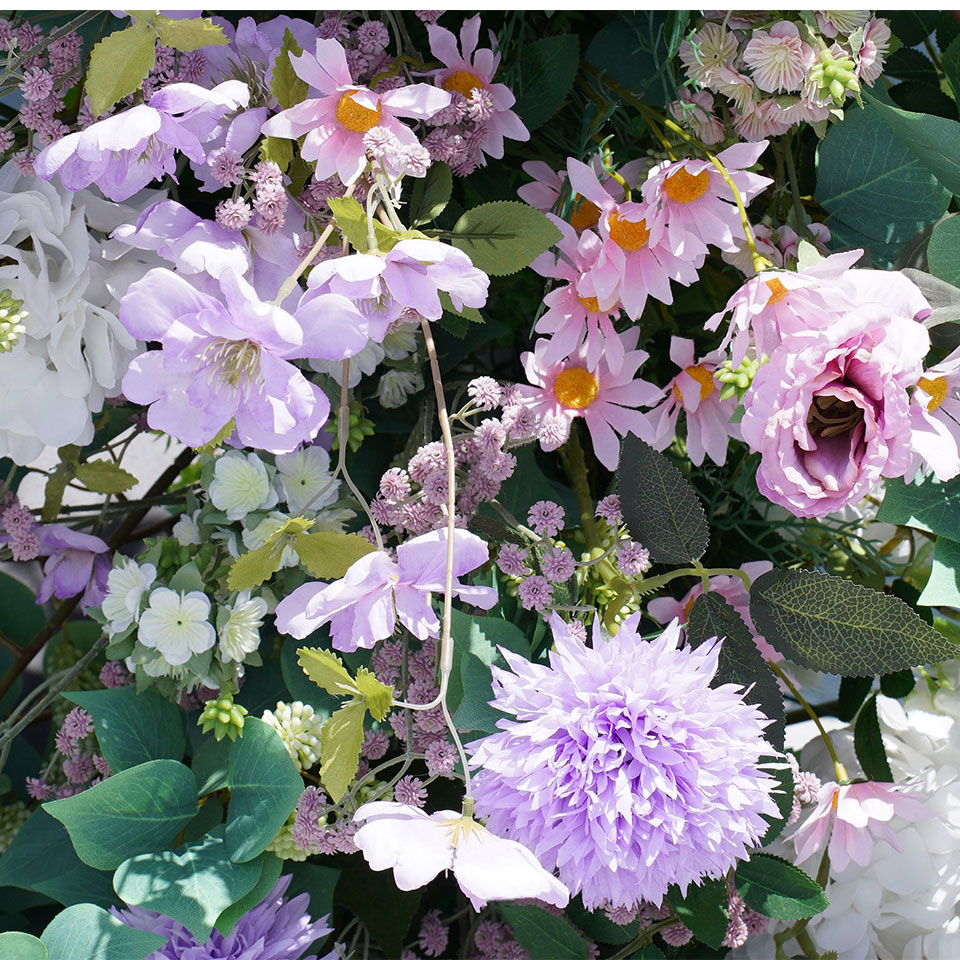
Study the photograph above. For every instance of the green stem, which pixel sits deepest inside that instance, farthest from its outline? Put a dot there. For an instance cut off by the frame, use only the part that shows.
(801, 215)
(571, 453)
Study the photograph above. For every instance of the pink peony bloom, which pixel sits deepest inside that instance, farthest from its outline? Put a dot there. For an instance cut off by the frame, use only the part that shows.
(123, 153)
(569, 389)
(696, 201)
(859, 813)
(636, 259)
(778, 58)
(364, 606)
(695, 391)
(466, 71)
(572, 320)
(830, 413)
(334, 124)
(417, 846)
(226, 360)
(935, 417)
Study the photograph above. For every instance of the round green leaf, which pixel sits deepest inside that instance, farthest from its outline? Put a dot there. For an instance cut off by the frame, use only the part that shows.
(88, 932)
(21, 946)
(943, 251)
(136, 810)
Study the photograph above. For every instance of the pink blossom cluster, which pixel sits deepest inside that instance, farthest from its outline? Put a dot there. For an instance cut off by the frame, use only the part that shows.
(79, 762)
(772, 72)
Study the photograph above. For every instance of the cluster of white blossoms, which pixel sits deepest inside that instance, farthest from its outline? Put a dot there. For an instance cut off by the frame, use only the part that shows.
(902, 904)
(56, 256)
(299, 729)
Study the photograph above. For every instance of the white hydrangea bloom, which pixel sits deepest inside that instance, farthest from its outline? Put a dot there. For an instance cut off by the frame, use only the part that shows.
(240, 632)
(57, 259)
(299, 729)
(302, 475)
(241, 485)
(187, 529)
(177, 624)
(396, 385)
(126, 585)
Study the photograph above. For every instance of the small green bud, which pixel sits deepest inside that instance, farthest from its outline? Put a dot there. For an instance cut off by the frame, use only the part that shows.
(223, 717)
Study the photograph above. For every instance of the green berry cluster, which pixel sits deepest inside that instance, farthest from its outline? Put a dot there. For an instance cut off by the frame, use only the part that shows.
(223, 717)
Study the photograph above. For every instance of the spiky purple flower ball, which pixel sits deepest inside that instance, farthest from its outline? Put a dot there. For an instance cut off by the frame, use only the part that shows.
(624, 769)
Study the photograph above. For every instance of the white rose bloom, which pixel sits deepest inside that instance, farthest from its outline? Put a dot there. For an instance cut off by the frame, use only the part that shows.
(257, 536)
(302, 475)
(240, 485)
(240, 634)
(187, 529)
(126, 585)
(177, 624)
(396, 385)
(74, 350)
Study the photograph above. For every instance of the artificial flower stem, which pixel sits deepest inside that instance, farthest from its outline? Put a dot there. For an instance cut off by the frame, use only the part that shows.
(839, 768)
(572, 455)
(803, 227)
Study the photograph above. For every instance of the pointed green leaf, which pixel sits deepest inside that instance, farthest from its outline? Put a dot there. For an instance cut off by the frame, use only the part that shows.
(277, 150)
(119, 64)
(778, 889)
(542, 935)
(548, 68)
(189, 34)
(929, 505)
(328, 555)
(504, 236)
(193, 886)
(660, 507)
(430, 194)
(53, 491)
(377, 696)
(853, 691)
(264, 788)
(88, 932)
(703, 910)
(136, 810)
(868, 743)
(833, 625)
(105, 476)
(340, 741)
(351, 221)
(285, 84)
(256, 567)
(326, 670)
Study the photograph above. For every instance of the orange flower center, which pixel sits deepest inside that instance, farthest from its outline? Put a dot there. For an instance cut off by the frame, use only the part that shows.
(936, 388)
(683, 187)
(628, 234)
(583, 213)
(463, 82)
(591, 304)
(703, 376)
(576, 387)
(777, 290)
(356, 117)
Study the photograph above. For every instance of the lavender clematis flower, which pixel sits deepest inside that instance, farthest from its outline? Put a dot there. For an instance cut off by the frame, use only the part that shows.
(275, 929)
(123, 153)
(364, 606)
(76, 562)
(227, 360)
(417, 846)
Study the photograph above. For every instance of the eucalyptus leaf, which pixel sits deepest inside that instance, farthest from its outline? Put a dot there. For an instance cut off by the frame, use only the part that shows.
(88, 932)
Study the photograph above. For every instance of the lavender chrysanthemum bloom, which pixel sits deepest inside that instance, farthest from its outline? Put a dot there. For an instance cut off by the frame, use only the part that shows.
(275, 929)
(624, 768)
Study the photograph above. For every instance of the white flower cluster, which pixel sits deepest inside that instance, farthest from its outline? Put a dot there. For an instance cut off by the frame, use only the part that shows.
(299, 729)
(73, 351)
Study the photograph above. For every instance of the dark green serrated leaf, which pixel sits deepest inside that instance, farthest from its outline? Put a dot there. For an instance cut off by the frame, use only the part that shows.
(596, 925)
(782, 796)
(430, 194)
(542, 935)
(548, 68)
(835, 626)
(132, 727)
(897, 684)
(87, 932)
(503, 237)
(929, 505)
(660, 507)
(778, 889)
(950, 62)
(868, 743)
(703, 910)
(853, 691)
(740, 661)
(136, 810)
(264, 788)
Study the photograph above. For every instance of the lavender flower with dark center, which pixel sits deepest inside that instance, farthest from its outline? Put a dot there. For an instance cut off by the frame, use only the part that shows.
(624, 768)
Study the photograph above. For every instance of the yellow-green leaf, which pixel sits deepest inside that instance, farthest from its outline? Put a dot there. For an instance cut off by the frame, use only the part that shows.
(326, 670)
(53, 492)
(189, 34)
(285, 85)
(377, 696)
(351, 221)
(340, 741)
(119, 64)
(328, 554)
(258, 566)
(105, 476)
(222, 435)
(277, 150)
